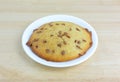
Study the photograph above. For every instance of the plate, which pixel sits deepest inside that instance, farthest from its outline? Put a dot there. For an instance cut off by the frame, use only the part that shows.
(28, 31)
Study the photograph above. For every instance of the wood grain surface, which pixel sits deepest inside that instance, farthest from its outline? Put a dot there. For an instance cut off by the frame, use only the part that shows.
(103, 15)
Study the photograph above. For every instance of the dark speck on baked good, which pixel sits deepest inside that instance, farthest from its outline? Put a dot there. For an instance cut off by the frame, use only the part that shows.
(77, 29)
(47, 51)
(63, 52)
(36, 46)
(59, 45)
(57, 24)
(63, 24)
(44, 41)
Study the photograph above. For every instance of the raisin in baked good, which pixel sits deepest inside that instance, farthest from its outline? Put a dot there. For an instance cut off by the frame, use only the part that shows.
(60, 41)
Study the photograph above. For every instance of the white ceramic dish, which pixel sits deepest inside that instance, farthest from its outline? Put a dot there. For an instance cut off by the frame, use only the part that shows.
(27, 33)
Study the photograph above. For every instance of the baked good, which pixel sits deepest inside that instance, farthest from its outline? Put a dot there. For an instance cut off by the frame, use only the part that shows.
(60, 41)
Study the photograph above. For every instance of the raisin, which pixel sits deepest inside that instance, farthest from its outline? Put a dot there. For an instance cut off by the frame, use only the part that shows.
(36, 46)
(39, 31)
(90, 43)
(42, 28)
(86, 29)
(44, 41)
(50, 25)
(62, 52)
(51, 35)
(64, 42)
(59, 45)
(60, 32)
(47, 51)
(77, 29)
(53, 51)
(84, 53)
(63, 24)
(84, 40)
(70, 29)
(67, 36)
(57, 24)
(90, 33)
(78, 42)
(29, 44)
(78, 47)
(59, 36)
(80, 54)
(75, 41)
(65, 33)
(35, 40)
(35, 30)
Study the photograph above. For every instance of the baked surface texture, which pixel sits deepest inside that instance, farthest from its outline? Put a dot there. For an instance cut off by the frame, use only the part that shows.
(60, 41)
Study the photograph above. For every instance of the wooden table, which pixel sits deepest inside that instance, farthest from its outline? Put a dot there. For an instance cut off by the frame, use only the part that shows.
(103, 15)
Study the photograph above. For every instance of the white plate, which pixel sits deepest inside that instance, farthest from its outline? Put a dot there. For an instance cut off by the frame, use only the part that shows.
(27, 33)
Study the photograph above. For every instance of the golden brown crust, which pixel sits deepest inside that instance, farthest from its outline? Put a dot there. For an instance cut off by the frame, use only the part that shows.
(60, 41)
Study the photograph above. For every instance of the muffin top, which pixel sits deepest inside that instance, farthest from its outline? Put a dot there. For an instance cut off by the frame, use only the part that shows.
(60, 41)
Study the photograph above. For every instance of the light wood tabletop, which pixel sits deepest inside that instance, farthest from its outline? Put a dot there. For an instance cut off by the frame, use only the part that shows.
(103, 15)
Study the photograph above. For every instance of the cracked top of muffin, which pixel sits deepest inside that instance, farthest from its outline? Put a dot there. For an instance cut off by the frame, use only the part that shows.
(60, 41)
